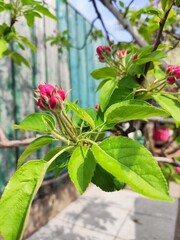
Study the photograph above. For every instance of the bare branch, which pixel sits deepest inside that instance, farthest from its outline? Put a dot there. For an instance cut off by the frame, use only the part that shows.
(100, 18)
(127, 8)
(5, 143)
(87, 35)
(168, 160)
(125, 23)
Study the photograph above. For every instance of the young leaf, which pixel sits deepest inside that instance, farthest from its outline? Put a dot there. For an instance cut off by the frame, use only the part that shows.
(170, 103)
(132, 110)
(34, 122)
(132, 163)
(105, 72)
(154, 56)
(28, 43)
(33, 146)
(81, 113)
(3, 47)
(106, 93)
(81, 167)
(19, 59)
(44, 11)
(17, 198)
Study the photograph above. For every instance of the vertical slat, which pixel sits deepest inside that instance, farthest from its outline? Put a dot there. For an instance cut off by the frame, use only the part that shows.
(81, 63)
(7, 156)
(51, 51)
(73, 54)
(63, 57)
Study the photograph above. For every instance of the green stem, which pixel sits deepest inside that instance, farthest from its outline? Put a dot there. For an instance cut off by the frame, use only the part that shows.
(56, 134)
(68, 128)
(59, 153)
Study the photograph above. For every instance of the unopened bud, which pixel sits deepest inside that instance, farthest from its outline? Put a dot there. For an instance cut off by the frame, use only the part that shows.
(121, 53)
(171, 80)
(135, 56)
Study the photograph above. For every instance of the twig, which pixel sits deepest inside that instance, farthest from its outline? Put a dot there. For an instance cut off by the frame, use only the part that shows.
(6, 143)
(87, 35)
(101, 20)
(127, 8)
(168, 160)
(125, 23)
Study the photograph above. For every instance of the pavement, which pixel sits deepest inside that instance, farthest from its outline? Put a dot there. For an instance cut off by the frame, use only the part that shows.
(123, 215)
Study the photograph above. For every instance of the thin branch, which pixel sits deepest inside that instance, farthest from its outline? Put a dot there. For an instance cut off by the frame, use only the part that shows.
(6, 143)
(125, 23)
(86, 36)
(101, 20)
(171, 161)
(162, 23)
(127, 8)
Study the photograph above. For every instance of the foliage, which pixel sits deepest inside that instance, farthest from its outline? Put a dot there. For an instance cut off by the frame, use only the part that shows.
(29, 10)
(128, 83)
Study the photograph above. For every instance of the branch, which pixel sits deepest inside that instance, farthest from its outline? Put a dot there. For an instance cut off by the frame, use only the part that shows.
(5, 143)
(127, 8)
(125, 23)
(168, 160)
(87, 35)
(162, 23)
(100, 18)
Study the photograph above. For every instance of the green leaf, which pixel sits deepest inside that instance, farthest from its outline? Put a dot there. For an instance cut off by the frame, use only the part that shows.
(17, 198)
(132, 163)
(106, 93)
(30, 2)
(105, 72)
(30, 17)
(28, 43)
(177, 3)
(154, 56)
(128, 82)
(81, 113)
(170, 103)
(61, 161)
(105, 180)
(166, 4)
(19, 59)
(132, 110)
(81, 168)
(3, 47)
(33, 146)
(34, 122)
(45, 11)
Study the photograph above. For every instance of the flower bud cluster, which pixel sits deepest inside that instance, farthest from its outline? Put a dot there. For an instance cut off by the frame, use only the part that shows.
(50, 98)
(173, 72)
(103, 52)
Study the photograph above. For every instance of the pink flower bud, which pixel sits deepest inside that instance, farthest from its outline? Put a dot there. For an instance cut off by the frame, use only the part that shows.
(46, 89)
(135, 56)
(171, 80)
(53, 102)
(96, 106)
(62, 94)
(101, 58)
(176, 72)
(177, 169)
(108, 49)
(100, 49)
(170, 68)
(121, 53)
(40, 104)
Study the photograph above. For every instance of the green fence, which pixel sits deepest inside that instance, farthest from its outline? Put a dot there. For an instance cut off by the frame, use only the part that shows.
(71, 70)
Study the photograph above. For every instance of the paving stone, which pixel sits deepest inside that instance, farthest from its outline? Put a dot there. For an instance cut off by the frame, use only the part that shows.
(156, 208)
(146, 227)
(57, 230)
(122, 215)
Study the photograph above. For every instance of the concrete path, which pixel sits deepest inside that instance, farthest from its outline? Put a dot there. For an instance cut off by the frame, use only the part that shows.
(122, 215)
